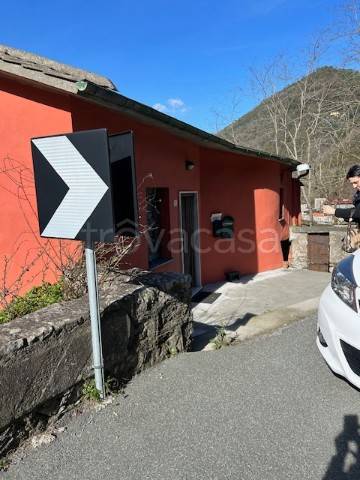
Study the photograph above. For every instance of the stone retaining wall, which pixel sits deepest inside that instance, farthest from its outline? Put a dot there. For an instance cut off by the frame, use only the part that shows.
(46, 356)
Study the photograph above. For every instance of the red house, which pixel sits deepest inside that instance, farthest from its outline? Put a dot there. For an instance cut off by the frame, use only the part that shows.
(186, 179)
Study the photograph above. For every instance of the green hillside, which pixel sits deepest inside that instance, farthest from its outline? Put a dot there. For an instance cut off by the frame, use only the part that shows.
(315, 120)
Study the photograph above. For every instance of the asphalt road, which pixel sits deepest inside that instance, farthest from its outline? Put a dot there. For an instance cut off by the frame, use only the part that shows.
(268, 409)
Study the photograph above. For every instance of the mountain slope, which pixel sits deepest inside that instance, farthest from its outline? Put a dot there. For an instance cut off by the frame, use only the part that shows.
(315, 120)
(330, 89)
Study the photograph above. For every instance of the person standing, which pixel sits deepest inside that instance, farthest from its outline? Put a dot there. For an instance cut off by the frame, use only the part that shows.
(353, 213)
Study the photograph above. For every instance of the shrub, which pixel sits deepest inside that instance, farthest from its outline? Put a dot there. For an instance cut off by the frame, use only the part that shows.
(220, 340)
(36, 298)
(90, 392)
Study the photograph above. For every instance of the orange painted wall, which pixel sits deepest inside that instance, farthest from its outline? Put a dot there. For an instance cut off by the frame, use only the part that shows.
(246, 188)
(25, 112)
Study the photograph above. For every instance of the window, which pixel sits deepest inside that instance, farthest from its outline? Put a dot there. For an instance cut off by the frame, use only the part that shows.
(158, 221)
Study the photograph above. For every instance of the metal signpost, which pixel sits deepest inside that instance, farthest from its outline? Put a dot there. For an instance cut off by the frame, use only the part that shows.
(77, 176)
(95, 318)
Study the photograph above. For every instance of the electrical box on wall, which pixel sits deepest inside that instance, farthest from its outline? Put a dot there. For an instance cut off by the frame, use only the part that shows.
(223, 225)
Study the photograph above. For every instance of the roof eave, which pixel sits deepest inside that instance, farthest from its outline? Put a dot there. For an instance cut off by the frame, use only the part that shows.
(23, 61)
(112, 99)
(38, 77)
(136, 109)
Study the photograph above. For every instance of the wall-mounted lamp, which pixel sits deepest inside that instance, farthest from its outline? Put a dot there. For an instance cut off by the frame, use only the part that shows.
(189, 165)
(301, 170)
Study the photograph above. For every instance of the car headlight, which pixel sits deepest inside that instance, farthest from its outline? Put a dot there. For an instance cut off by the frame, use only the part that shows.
(343, 282)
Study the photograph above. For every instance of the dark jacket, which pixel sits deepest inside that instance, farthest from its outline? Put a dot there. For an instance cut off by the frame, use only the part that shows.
(347, 213)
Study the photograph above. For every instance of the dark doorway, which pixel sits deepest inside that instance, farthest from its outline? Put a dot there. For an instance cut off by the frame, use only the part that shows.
(158, 221)
(190, 236)
(285, 248)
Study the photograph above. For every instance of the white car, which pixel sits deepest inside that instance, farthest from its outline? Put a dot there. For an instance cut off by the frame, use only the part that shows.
(338, 330)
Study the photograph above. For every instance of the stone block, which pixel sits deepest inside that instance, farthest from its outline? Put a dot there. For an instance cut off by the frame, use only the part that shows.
(336, 252)
(298, 256)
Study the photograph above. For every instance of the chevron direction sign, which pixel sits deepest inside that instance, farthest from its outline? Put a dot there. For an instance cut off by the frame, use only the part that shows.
(73, 186)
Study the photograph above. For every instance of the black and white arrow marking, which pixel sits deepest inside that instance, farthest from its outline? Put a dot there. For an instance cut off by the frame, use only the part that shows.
(86, 188)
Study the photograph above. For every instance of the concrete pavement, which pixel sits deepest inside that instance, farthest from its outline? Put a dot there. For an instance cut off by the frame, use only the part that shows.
(257, 304)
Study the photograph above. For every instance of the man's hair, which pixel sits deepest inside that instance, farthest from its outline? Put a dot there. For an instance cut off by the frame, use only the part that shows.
(354, 171)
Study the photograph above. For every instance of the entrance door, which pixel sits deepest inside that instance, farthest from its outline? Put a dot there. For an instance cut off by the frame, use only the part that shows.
(190, 236)
(318, 252)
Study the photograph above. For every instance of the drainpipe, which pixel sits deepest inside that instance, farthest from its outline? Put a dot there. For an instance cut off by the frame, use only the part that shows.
(82, 85)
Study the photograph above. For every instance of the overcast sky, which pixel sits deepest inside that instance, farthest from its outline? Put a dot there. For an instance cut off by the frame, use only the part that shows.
(184, 57)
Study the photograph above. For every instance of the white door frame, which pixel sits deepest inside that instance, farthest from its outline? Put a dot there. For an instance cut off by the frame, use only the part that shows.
(197, 280)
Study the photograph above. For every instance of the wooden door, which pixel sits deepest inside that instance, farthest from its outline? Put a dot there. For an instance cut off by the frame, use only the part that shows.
(318, 251)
